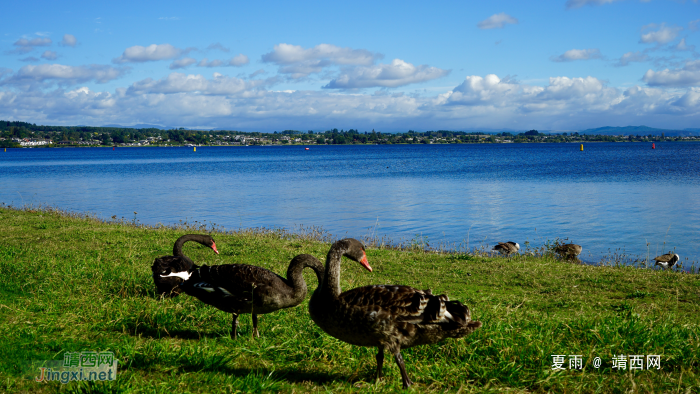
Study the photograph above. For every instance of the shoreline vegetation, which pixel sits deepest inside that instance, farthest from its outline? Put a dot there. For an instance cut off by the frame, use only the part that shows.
(73, 282)
(14, 134)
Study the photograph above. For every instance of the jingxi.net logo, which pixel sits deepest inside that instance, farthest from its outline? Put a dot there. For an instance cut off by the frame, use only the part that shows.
(79, 366)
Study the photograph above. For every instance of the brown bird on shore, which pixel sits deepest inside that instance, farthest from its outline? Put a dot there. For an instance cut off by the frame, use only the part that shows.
(667, 260)
(568, 251)
(389, 318)
(507, 248)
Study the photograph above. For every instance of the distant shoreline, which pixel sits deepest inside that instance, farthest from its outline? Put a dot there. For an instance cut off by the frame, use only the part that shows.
(312, 144)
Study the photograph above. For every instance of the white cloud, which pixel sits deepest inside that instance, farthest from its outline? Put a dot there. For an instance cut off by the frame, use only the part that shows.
(206, 63)
(49, 55)
(139, 54)
(236, 61)
(682, 46)
(690, 100)
(497, 21)
(580, 3)
(688, 76)
(299, 62)
(182, 63)
(29, 59)
(578, 54)
(489, 90)
(565, 88)
(663, 35)
(293, 54)
(256, 73)
(35, 42)
(239, 60)
(234, 103)
(694, 25)
(564, 97)
(65, 74)
(398, 73)
(187, 83)
(630, 57)
(24, 45)
(69, 40)
(218, 46)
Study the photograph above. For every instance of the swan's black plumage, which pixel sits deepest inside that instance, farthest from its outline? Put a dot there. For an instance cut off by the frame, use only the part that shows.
(242, 288)
(162, 267)
(390, 318)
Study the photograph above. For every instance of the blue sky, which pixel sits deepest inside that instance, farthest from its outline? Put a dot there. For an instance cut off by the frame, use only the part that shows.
(389, 66)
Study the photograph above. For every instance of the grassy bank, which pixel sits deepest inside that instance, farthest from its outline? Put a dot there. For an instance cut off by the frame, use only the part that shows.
(70, 283)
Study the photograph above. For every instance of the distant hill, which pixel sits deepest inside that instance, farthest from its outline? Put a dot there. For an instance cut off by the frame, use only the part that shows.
(139, 126)
(640, 130)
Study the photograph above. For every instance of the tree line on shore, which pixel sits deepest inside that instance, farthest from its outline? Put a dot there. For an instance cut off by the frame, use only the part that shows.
(17, 134)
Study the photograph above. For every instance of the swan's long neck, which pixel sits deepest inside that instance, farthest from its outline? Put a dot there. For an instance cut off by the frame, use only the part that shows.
(331, 284)
(177, 248)
(294, 272)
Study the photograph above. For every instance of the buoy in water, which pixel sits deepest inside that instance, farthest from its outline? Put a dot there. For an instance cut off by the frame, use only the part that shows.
(653, 145)
(112, 148)
(581, 147)
(195, 149)
(306, 148)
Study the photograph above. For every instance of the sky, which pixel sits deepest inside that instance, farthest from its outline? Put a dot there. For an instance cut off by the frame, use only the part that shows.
(389, 66)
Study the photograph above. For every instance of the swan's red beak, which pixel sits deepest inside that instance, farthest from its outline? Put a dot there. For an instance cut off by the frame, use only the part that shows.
(213, 246)
(364, 262)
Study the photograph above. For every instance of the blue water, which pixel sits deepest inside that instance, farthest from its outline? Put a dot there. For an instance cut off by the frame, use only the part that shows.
(610, 198)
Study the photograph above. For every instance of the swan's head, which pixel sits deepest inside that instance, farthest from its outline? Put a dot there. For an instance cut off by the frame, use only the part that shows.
(213, 246)
(356, 251)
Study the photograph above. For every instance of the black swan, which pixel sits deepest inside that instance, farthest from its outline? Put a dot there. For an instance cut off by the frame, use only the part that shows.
(568, 251)
(242, 288)
(167, 284)
(667, 260)
(390, 318)
(507, 248)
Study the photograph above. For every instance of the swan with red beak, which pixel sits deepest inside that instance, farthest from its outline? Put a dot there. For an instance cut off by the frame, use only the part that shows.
(388, 317)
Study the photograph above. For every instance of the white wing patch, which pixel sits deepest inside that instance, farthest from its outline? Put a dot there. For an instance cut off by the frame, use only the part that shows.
(184, 275)
(447, 317)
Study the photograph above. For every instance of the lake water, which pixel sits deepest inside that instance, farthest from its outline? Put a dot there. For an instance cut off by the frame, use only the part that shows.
(612, 197)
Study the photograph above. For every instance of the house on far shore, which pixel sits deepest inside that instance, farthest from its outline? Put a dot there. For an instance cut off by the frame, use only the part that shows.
(34, 142)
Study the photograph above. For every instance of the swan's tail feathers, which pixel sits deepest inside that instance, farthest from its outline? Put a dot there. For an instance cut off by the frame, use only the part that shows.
(462, 323)
(435, 308)
(458, 312)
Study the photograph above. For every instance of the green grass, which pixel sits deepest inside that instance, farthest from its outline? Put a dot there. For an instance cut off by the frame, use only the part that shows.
(74, 283)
